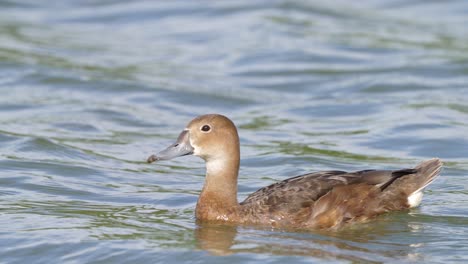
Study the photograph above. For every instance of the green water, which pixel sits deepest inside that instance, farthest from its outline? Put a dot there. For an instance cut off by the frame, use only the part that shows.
(90, 88)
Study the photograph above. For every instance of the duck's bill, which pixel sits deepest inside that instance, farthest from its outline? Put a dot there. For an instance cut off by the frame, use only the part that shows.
(180, 148)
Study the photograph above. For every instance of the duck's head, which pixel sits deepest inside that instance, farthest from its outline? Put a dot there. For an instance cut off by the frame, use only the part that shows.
(211, 137)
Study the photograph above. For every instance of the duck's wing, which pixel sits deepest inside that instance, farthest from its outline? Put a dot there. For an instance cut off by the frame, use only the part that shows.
(330, 198)
(302, 191)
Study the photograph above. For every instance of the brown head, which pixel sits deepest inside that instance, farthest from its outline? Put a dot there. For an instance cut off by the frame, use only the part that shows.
(212, 137)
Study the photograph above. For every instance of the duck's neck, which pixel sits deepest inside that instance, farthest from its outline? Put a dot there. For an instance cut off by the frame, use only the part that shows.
(218, 199)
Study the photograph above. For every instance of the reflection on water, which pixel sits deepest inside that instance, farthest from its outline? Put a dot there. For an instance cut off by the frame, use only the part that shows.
(216, 239)
(359, 243)
(90, 88)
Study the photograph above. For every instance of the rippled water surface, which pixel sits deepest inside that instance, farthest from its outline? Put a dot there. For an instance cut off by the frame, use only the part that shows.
(90, 88)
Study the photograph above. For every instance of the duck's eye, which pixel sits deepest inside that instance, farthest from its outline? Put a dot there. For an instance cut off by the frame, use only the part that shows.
(206, 128)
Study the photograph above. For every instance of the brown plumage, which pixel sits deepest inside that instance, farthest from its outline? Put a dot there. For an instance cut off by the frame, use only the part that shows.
(327, 199)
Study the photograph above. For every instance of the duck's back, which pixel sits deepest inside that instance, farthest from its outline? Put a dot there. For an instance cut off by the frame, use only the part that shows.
(330, 198)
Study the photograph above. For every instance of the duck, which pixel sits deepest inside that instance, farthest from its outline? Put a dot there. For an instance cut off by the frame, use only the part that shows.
(317, 200)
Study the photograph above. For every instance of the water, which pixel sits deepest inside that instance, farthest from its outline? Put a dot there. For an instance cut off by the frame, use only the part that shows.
(90, 88)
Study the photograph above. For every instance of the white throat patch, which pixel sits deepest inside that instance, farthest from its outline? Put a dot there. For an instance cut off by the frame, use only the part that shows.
(214, 166)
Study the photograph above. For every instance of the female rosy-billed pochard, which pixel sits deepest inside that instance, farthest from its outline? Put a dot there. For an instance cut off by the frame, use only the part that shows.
(326, 199)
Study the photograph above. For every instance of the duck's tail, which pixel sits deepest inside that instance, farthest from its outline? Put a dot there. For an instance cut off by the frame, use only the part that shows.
(414, 183)
(427, 172)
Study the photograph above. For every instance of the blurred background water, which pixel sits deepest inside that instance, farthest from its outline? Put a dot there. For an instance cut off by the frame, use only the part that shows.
(90, 88)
